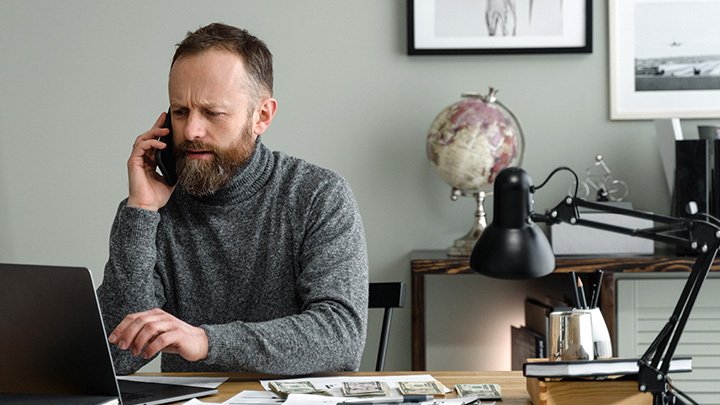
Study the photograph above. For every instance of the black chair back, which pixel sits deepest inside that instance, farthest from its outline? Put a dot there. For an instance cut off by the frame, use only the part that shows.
(387, 296)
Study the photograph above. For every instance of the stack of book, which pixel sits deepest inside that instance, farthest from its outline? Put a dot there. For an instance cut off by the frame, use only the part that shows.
(616, 392)
(605, 381)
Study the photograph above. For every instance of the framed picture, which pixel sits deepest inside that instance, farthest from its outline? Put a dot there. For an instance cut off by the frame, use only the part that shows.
(467, 27)
(664, 59)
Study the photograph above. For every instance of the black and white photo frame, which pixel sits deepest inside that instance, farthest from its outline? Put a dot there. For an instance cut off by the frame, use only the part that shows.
(467, 27)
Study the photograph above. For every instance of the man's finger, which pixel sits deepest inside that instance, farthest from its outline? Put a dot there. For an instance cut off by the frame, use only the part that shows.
(124, 334)
(164, 342)
(149, 332)
(160, 121)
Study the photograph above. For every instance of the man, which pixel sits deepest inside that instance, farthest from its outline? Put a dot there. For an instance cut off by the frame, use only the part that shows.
(257, 260)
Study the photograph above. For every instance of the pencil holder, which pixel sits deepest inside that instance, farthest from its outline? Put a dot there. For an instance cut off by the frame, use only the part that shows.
(601, 336)
(570, 336)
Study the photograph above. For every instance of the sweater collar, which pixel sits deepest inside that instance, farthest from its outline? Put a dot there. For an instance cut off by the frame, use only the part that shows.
(249, 179)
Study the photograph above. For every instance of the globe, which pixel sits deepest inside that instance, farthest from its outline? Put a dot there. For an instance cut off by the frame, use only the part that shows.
(468, 144)
(470, 141)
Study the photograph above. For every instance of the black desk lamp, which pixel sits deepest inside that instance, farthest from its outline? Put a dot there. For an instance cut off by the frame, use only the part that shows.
(513, 247)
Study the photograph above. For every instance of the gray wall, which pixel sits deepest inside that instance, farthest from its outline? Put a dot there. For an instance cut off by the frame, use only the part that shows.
(79, 80)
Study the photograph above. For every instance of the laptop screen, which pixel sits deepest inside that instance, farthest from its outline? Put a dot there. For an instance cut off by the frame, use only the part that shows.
(53, 340)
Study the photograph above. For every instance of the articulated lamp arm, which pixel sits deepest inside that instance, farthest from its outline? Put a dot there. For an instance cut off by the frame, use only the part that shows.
(698, 235)
(513, 247)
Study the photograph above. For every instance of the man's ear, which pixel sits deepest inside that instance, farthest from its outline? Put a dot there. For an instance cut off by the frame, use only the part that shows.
(263, 115)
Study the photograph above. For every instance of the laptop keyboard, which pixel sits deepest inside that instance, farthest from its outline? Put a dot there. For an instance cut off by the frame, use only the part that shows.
(135, 396)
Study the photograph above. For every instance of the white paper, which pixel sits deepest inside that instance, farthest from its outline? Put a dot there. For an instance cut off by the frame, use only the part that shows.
(295, 399)
(245, 397)
(334, 384)
(312, 399)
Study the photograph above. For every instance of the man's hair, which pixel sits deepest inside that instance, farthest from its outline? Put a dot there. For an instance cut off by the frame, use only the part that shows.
(252, 50)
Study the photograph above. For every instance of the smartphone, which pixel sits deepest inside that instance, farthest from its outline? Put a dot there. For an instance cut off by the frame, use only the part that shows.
(165, 158)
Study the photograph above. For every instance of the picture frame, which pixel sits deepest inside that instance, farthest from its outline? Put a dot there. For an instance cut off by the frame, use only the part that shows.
(482, 27)
(661, 62)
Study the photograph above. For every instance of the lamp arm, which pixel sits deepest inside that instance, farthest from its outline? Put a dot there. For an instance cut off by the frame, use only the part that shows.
(624, 211)
(687, 299)
(655, 233)
(647, 233)
(685, 228)
(652, 375)
(698, 235)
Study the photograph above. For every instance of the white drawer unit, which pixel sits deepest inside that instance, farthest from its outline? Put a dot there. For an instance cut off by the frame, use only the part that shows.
(644, 303)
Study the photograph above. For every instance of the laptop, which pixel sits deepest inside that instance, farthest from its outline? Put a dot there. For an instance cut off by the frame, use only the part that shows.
(53, 345)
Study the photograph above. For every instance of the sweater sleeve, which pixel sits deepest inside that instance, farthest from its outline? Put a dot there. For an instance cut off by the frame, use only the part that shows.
(329, 333)
(130, 283)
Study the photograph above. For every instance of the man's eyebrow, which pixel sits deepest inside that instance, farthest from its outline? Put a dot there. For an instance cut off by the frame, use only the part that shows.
(205, 104)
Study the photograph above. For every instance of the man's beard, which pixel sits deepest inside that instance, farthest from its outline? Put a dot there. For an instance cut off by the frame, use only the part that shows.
(201, 177)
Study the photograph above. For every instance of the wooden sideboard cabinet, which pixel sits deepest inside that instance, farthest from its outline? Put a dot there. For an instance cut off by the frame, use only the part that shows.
(429, 262)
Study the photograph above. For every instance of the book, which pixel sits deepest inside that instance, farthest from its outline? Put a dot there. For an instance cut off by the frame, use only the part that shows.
(526, 344)
(595, 368)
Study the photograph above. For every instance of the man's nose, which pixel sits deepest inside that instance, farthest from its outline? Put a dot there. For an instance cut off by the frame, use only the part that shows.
(195, 127)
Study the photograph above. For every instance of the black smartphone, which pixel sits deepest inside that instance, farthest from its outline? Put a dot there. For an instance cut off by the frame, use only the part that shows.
(165, 158)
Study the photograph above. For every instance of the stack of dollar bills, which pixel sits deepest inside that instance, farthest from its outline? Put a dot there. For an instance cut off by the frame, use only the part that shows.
(480, 391)
(421, 388)
(365, 389)
(284, 389)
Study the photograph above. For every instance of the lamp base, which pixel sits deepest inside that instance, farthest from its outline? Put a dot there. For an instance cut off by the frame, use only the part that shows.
(464, 246)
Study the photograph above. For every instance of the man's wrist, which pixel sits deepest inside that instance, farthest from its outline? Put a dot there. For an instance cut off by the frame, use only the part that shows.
(206, 344)
(135, 204)
(206, 333)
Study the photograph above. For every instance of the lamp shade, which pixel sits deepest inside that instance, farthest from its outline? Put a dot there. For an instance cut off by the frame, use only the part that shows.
(512, 246)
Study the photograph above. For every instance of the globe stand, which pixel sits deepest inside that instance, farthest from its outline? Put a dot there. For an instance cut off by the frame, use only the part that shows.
(464, 245)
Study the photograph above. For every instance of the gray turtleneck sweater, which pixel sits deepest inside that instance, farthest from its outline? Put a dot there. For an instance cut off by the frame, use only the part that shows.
(273, 267)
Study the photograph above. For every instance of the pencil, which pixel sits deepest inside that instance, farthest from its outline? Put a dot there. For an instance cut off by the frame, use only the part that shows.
(581, 290)
(575, 289)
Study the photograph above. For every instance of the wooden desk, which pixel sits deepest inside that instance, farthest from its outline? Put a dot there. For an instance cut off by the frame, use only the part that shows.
(424, 262)
(512, 383)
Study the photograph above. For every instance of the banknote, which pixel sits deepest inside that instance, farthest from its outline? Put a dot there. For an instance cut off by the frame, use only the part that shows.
(285, 388)
(421, 388)
(364, 388)
(481, 391)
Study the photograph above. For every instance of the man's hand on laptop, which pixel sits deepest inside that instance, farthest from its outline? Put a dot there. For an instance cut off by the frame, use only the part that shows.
(155, 331)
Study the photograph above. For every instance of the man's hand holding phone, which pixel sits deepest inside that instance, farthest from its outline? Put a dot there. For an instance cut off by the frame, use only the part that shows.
(148, 189)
